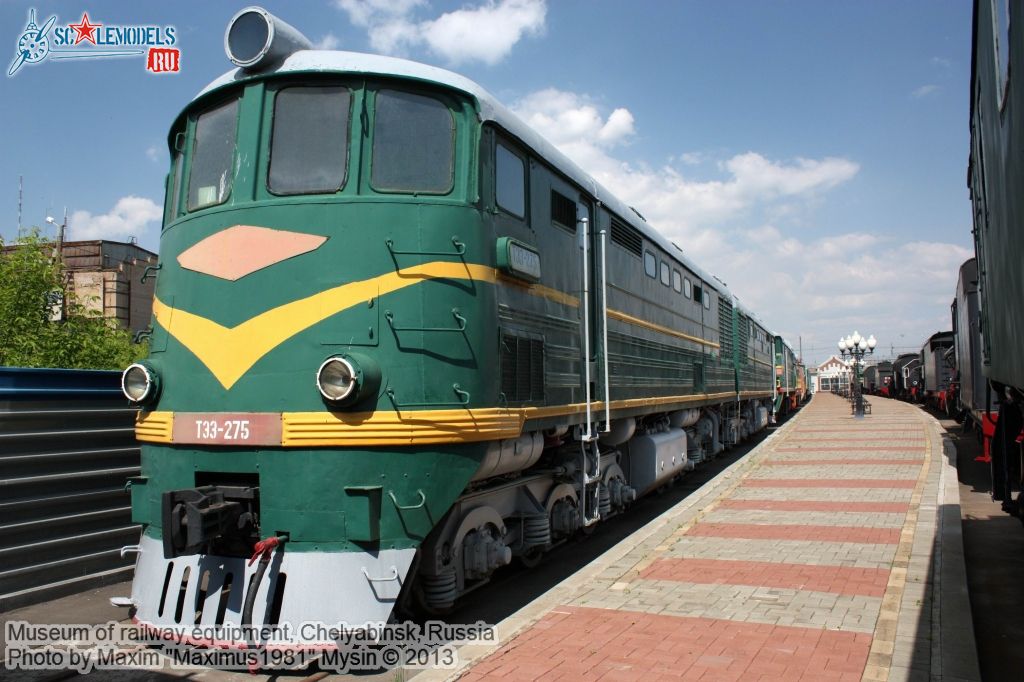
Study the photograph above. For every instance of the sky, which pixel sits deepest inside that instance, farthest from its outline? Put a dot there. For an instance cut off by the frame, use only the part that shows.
(812, 154)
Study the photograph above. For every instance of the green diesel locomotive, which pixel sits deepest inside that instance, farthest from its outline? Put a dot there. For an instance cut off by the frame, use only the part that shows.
(399, 340)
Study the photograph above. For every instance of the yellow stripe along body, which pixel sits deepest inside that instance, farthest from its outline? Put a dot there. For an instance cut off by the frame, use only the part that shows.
(229, 352)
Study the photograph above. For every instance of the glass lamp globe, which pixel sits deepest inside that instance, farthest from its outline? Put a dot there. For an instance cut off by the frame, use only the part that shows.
(863, 345)
(872, 342)
(856, 338)
(842, 345)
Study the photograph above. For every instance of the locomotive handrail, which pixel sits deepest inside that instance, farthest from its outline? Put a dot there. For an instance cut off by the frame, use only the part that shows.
(463, 399)
(460, 249)
(418, 505)
(142, 334)
(459, 319)
(393, 576)
(150, 268)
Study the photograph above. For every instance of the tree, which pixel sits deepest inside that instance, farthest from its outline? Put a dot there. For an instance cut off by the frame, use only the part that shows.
(32, 288)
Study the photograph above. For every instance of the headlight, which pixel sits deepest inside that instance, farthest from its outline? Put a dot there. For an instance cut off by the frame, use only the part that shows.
(139, 383)
(348, 378)
(337, 379)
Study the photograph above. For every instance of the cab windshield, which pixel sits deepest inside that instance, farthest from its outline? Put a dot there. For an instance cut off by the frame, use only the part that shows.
(413, 144)
(213, 155)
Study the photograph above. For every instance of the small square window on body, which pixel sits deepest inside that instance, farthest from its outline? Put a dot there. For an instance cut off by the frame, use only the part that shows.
(650, 264)
(677, 281)
(687, 288)
(666, 277)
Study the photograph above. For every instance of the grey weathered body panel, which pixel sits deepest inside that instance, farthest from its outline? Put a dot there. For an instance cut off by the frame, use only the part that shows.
(996, 180)
(967, 338)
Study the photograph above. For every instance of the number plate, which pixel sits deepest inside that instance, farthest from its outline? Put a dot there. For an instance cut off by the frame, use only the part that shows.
(227, 428)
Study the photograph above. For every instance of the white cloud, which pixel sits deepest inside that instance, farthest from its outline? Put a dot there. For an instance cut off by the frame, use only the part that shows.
(153, 153)
(328, 41)
(575, 125)
(486, 32)
(692, 158)
(753, 225)
(568, 118)
(924, 91)
(130, 217)
(367, 13)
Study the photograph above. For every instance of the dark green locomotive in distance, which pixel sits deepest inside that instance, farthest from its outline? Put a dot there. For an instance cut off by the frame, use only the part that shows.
(400, 340)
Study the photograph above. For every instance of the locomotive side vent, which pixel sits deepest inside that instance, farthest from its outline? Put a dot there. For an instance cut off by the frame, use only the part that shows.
(522, 368)
(725, 328)
(627, 238)
(563, 211)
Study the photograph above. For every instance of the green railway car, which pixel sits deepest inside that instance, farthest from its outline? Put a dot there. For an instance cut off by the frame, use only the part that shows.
(398, 341)
(790, 380)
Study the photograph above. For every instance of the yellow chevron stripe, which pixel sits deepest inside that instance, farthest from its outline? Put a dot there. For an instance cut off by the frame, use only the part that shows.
(229, 352)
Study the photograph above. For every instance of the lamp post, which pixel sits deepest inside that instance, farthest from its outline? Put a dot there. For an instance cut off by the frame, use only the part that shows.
(857, 347)
(58, 257)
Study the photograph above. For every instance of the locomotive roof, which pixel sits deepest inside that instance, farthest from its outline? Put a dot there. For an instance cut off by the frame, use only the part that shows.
(334, 61)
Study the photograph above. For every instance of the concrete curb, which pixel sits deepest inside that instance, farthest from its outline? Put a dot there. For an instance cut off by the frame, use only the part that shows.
(954, 653)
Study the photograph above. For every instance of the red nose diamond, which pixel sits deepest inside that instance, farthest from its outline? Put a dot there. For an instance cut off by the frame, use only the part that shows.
(243, 249)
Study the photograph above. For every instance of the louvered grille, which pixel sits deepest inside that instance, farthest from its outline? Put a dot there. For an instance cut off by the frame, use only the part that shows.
(725, 329)
(563, 211)
(742, 337)
(627, 238)
(522, 368)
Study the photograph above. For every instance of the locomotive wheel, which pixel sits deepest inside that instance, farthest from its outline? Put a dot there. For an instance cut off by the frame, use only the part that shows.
(532, 558)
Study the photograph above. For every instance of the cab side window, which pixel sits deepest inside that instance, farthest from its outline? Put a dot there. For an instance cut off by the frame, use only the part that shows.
(509, 181)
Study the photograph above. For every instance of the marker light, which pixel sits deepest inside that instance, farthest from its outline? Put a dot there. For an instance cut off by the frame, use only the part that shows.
(337, 379)
(139, 383)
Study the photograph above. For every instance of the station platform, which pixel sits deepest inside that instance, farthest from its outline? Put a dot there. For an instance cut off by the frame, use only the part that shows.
(833, 551)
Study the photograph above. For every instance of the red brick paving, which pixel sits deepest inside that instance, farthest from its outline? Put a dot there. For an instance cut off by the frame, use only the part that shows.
(867, 461)
(573, 642)
(872, 430)
(576, 642)
(816, 505)
(869, 582)
(830, 483)
(842, 448)
(777, 531)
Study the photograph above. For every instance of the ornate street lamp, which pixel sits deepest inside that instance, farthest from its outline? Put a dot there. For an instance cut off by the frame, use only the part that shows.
(857, 347)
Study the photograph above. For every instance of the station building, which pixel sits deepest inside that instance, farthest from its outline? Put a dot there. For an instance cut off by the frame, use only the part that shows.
(833, 373)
